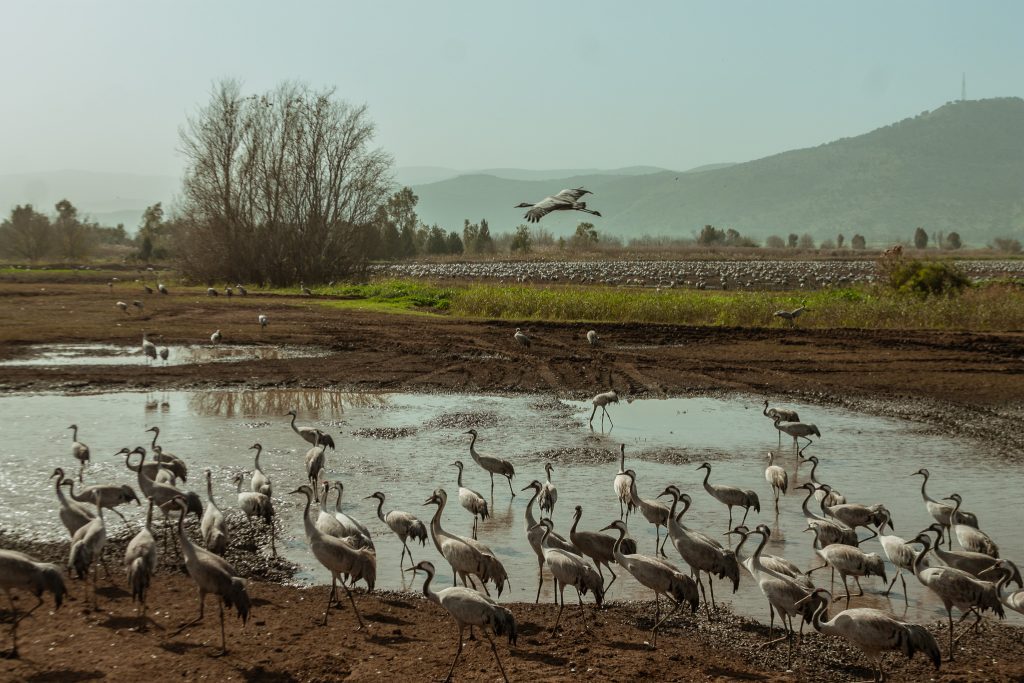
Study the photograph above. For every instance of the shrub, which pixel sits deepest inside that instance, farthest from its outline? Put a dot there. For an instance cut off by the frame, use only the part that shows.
(928, 277)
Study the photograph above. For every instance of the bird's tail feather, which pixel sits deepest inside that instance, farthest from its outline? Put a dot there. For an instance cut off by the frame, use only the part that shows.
(919, 639)
(138, 579)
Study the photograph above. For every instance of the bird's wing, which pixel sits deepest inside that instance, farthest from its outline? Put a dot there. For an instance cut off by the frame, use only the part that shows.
(546, 206)
(572, 195)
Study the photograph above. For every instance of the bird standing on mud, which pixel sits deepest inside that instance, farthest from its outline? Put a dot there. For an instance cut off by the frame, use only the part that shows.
(566, 200)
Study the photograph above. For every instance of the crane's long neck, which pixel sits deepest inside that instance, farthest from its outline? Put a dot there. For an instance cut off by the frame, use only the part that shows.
(622, 458)
(575, 522)
(472, 450)
(149, 515)
(617, 548)
(156, 435)
(337, 503)
(435, 526)
(144, 481)
(548, 470)
(307, 523)
(380, 510)
(756, 557)
(60, 492)
(707, 475)
(71, 490)
(672, 524)
(74, 433)
(765, 411)
(209, 492)
(427, 592)
(816, 621)
(186, 546)
(805, 505)
(956, 509)
(459, 481)
(813, 476)
(741, 558)
(531, 521)
(294, 428)
(924, 490)
(256, 463)
(919, 560)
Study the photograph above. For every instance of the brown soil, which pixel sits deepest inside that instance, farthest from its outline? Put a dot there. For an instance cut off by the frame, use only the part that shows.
(956, 382)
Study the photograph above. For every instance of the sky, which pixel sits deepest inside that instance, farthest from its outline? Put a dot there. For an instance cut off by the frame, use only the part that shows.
(105, 85)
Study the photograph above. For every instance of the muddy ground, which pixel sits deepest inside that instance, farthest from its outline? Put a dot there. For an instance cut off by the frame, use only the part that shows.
(958, 383)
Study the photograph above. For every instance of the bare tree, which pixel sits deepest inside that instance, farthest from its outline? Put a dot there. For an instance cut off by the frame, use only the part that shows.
(279, 187)
(26, 234)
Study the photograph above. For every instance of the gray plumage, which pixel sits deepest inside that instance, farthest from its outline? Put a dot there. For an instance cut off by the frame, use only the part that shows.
(566, 200)
(730, 496)
(492, 465)
(403, 524)
(311, 434)
(19, 571)
(140, 561)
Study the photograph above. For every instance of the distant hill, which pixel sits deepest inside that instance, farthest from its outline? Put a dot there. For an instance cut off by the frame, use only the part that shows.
(421, 175)
(960, 167)
(107, 198)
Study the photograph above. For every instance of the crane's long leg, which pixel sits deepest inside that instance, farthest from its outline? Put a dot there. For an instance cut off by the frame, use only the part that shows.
(330, 596)
(730, 517)
(540, 579)
(707, 608)
(711, 585)
(613, 577)
(663, 544)
(496, 657)
(899, 573)
(661, 621)
(223, 642)
(859, 587)
(949, 613)
(592, 414)
(583, 610)
(620, 508)
(609, 416)
(560, 606)
(474, 527)
(905, 601)
(458, 652)
(354, 608)
(509, 480)
(657, 614)
(747, 512)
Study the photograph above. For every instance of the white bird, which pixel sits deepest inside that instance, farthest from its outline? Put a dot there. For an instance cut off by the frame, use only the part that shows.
(956, 589)
(260, 482)
(521, 338)
(566, 200)
(1014, 601)
(210, 291)
(73, 515)
(216, 337)
(601, 401)
(19, 571)
(353, 527)
(79, 451)
(534, 534)
(791, 316)
(797, 430)
(970, 538)
(404, 525)
(311, 434)
(306, 291)
(622, 485)
(213, 526)
(941, 512)
(592, 338)
(469, 608)
(123, 306)
(730, 496)
(659, 576)
(492, 465)
(848, 561)
(654, 511)
(256, 505)
(875, 632)
(777, 478)
(242, 290)
(548, 493)
(338, 557)
(472, 501)
(229, 291)
(140, 562)
(212, 574)
(569, 569)
(467, 557)
(87, 549)
(148, 348)
(263, 320)
(162, 289)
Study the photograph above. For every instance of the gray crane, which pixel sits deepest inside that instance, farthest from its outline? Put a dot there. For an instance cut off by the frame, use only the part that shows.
(654, 511)
(310, 433)
(792, 315)
(467, 557)
(597, 546)
(592, 338)
(212, 574)
(469, 608)
(534, 534)
(602, 401)
(470, 500)
(256, 505)
(941, 512)
(730, 496)
(362, 539)
(87, 550)
(830, 531)
(108, 496)
(338, 557)
(148, 348)
(969, 537)
(548, 493)
(1008, 570)
(140, 563)
(797, 430)
(73, 515)
(216, 337)
(260, 482)
(492, 465)
(316, 458)
(19, 571)
(404, 525)
(785, 414)
(848, 561)
(213, 526)
(566, 200)
(569, 569)
(123, 306)
(172, 462)
(622, 484)
(161, 288)
(972, 563)
(899, 552)
(263, 320)
(875, 632)
(661, 577)
(776, 477)
(832, 497)
(79, 451)
(521, 338)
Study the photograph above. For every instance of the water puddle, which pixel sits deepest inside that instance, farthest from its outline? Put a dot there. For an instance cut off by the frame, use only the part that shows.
(59, 355)
(404, 444)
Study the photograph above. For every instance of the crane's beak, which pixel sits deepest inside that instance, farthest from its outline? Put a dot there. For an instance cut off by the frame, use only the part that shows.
(607, 528)
(411, 569)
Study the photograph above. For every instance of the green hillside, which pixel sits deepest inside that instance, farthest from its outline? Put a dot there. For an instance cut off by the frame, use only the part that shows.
(960, 167)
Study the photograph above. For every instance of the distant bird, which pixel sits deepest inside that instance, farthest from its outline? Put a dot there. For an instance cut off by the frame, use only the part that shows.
(592, 338)
(566, 200)
(472, 501)
(492, 465)
(311, 434)
(149, 290)
(777, 478)
(19, 571)
(622, 486)
(875, 632)
(162, 289)
(140, 562)
(791, 316)
(212, 574)
(469, 608)
(260, 482)
(210, 291)
(213, 525)
(216, 337)
(164, 353)
(956, 589)
(148, 348)
(785, 414)
(601, 401)
(730, 496)
(521, 338)
(659, 576)
(230, 292)
(548, 493)
(123, 306)
(797, 430)
(403, 524)
(242, 290)
(79, 451)
(264, 321)
(338, 557)
(306, 291)
(138, 304)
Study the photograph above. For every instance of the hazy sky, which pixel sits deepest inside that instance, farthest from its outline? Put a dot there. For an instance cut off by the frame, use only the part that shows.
(105, 85)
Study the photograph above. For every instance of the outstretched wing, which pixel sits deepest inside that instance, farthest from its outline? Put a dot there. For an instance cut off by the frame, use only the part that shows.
(546, 206)
(572, 195)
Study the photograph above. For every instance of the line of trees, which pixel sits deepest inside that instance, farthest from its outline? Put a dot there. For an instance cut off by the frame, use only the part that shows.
(30, 235)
